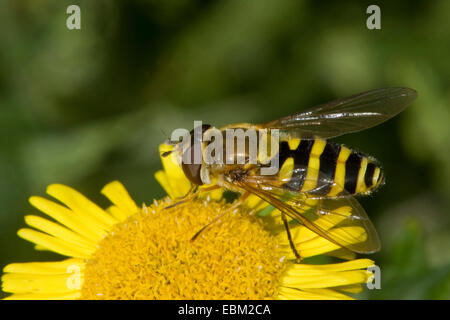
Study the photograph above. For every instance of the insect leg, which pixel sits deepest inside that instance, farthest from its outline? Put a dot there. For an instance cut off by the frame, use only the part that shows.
(192, 194)
(234, 206)
(192, 190)
(291, 243)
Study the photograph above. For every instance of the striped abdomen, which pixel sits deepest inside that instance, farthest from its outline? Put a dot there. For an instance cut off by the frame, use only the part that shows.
(326, 161)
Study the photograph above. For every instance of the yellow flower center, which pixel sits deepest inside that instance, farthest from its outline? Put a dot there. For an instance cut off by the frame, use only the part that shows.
(150, 256)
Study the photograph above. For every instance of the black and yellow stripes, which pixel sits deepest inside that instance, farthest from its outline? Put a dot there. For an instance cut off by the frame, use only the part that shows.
(352, 168)
(339, 175)
(368, 176)
(307, 165)
(362, 174)
(328, 163)
(300, 155)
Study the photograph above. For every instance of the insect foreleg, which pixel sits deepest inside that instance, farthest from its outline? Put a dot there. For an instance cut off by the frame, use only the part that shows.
(236, 204)
(192, 193)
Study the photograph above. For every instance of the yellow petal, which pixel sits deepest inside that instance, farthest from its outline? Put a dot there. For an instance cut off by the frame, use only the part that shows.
(81, 205)
(345, 276)
(79, 224)
(214, 195)
(46, 296)
(161, 177)
(59, 267)
(353, 288)
(59, 232)
(325, 279)
(53, 244)
(255, 203)
(343, 254)
(118, 195)
(179, 185)
(341, 266)
(31, 283)
(117, 213)
(313, 247)
(311, 294)
(310, 244)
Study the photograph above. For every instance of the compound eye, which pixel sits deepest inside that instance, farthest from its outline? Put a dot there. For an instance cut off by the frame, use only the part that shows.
(192, 165)
(192, 169)
(192, 172)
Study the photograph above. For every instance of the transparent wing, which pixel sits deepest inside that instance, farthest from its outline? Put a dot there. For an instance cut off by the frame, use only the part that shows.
(320, 185)
(346, 115)
(341, 220)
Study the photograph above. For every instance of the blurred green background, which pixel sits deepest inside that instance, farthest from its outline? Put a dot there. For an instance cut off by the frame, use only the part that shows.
(85, 107)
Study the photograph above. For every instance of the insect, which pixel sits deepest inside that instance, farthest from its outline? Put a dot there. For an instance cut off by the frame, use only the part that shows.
(315, 176)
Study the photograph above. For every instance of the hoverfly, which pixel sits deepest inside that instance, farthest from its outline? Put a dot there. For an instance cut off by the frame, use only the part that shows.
(315, 175)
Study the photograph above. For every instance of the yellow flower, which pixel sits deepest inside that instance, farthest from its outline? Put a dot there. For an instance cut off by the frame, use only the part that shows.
(127, 252)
